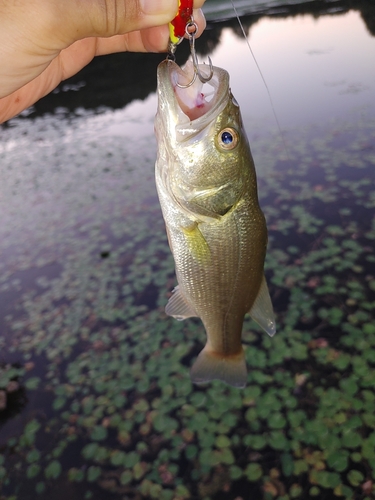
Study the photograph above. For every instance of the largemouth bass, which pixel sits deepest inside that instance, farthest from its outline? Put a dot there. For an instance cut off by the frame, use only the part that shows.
(207, 187)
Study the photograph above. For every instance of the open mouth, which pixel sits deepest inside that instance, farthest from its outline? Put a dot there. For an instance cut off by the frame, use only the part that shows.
(197, 99)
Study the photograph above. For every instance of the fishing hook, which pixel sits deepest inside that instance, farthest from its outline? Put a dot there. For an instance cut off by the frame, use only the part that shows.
(191, 30)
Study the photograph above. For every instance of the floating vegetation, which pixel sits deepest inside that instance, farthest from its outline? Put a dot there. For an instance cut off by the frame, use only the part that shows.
(9, 376)
(110, 406)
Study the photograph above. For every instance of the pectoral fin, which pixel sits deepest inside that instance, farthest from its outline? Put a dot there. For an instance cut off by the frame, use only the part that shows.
(262, 310)
(178, 307)
(197, 244)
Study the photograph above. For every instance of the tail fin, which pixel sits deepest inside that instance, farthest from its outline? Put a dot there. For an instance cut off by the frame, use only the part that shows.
(213, 366)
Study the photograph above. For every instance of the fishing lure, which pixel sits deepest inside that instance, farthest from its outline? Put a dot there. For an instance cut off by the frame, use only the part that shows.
(183, 24)
(178, 25)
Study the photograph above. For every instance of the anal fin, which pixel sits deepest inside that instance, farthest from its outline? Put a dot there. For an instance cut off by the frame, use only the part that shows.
(262, 310)
(178, 306)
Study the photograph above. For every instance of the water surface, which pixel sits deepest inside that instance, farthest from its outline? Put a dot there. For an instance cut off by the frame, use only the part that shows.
(105, 406)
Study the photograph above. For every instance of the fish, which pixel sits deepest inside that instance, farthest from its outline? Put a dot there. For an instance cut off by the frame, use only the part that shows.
(207, 188)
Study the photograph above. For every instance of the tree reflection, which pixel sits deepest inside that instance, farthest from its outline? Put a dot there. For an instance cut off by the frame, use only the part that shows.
(117, 79)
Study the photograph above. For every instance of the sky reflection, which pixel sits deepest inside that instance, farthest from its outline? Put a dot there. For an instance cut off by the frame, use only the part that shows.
(314, 70)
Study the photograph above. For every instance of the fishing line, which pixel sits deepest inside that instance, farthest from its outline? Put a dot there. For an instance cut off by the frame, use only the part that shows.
(261, 75)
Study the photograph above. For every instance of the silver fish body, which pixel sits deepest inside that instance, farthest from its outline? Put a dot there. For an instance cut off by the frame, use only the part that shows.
(207, 187)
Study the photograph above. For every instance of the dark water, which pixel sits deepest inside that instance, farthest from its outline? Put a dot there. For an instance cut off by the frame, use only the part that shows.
(105, 407)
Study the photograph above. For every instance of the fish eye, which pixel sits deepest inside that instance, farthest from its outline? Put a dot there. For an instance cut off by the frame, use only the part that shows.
(228, 138)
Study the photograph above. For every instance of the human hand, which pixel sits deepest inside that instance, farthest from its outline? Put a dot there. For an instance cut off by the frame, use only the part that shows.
(43, 42)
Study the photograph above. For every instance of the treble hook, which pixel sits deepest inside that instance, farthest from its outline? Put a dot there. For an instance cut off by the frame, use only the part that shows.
(191, 30)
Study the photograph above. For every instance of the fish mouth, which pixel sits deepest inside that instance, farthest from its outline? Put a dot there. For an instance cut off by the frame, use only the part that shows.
(193, 107)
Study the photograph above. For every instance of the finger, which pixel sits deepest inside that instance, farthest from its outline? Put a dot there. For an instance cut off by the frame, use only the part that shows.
(118, 17)
(148, 40)
(155, 39)
(73, 20)
(107, 17)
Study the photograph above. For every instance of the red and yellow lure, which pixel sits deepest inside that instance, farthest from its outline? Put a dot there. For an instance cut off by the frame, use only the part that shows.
(183, 24)
(184, 17)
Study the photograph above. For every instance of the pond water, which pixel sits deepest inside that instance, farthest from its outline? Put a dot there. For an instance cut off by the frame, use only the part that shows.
(99, 401)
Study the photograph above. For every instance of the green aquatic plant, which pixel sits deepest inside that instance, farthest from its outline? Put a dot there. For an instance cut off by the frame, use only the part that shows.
(111, 369)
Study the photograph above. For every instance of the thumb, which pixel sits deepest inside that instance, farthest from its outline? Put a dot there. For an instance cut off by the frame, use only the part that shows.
(73, 20)
(48, 26)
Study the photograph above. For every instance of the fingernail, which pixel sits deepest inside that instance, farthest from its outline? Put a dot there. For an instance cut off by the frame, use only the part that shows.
(200, 19)
(159, 7)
